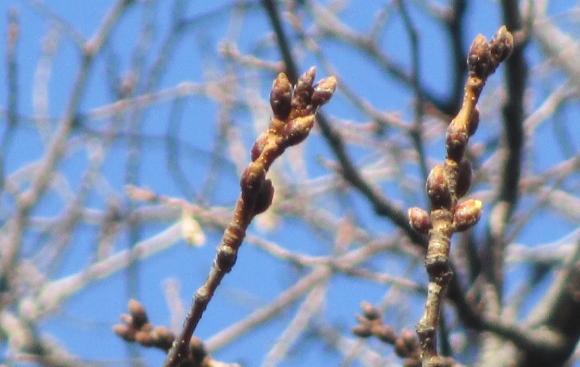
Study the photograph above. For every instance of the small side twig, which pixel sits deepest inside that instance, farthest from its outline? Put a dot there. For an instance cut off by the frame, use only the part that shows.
(447, 183)
(136, 328)
(294, 114)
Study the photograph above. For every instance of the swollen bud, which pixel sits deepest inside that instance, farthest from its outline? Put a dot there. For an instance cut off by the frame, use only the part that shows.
(370, 311)
(437, 188)
(126, 332)
(297, 130)
(138, 314)
(144, 338)
(456, 142)
(463, 178)
(362, 331)
(473, 121)
(281, 97)
(478, 58)
(385, 333)
(501, 45)
(323, 91)
(252, 179)
(467, 214)
(419, 220)
(259, 146)
(264, 198)
(303, 90)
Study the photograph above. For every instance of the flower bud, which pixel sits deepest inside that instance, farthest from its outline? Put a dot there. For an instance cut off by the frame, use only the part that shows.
(297, 130)
(303, 90)
(323, 91)
(437, 188)
(252, 179)
(259, 145)
(467, 214)
(144, 338)
(138, 314)
(463, 178)
(362, 331)
(370, 311)
(410, 339)
(473, 121)
(385, 333)
(163, 337)
(264, 198)
(281, 97)
(501, 45)
(478, 58)
(419, 220)
(401, 349)
(126, 332)
(456, 140)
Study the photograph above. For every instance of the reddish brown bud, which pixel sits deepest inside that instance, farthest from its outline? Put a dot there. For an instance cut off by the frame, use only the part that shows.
(362, 331)
(252, 179)
(410, 339)
(501, 46)
(473, 121)
(281, 97)
(297, 130)
(370, 311)
(323, 91)
(385, 333)
(144, 338)
(259, 145)
(467, 214)
(463, 178)
(419, 220)
(126, 332)
(303, 90)
(163, 337)
(197, 349)
(438, 189)
(457, 139)
(478, 58)
(264, 198)
(138, 314)
(401, 348)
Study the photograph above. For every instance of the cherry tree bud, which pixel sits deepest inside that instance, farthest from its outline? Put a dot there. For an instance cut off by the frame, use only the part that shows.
(438, 189)
(259, 146)
(467, 214)
(297, 130)
(281, 97)
(362, 331)
(323, 91)
(473, 121)
(138, 314)
(385, 333)
(303, 90)
(478, 58)
(370, 311)
(419, 220)
(252, 179)
(463, 178)
(501, 45)
(264, 198)
(456, 140)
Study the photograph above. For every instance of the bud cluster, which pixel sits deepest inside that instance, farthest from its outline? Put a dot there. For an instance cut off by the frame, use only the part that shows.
(137, 328)
(484, 57)
(294, 110)
(370, 324)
